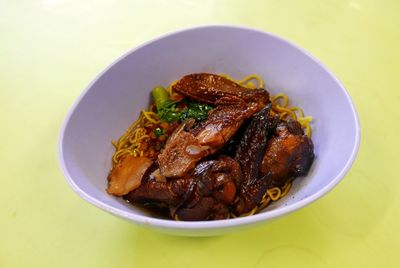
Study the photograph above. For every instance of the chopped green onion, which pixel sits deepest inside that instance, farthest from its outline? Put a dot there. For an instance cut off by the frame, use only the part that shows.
(158, 132)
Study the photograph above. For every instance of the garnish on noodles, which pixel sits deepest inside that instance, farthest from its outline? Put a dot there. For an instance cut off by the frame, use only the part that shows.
(212, 147)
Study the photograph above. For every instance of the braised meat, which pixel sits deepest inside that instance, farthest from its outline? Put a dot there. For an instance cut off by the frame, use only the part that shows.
(190, 143)
(210, 88)
(216, 165)
(151, 190)
(289, 153)
(215, 191)
(206, 194)
(127, 175)
(249, 154)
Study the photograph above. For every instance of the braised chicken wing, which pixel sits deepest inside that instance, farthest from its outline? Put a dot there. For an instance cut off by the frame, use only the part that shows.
(210, 88)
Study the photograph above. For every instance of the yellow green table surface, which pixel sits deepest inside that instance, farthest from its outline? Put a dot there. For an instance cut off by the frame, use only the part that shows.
(51, 49)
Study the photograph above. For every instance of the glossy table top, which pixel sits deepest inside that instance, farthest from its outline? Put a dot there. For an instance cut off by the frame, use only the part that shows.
(51, 49)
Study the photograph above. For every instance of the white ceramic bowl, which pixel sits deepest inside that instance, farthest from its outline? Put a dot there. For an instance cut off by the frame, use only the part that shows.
(114, 98)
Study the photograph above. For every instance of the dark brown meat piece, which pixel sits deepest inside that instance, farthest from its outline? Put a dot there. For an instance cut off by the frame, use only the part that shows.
(209, 88)
(204, 195)
(189, 144)
(219, 178)
(215, 191)
(289, 153)
(171, 193)
(249, 154)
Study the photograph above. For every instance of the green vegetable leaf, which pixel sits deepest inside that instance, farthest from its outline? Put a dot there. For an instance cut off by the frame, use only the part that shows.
(160, 97)
(168, 110)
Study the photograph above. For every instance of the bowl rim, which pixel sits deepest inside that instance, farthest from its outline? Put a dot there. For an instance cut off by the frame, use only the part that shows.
(218, 224)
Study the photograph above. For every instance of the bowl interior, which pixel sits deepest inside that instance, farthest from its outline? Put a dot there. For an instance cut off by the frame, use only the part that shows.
(114, 99)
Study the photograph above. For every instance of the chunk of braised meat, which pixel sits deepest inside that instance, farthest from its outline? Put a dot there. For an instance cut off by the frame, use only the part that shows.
(289, 153)
(205, 195)
(222, 122)
(182, 151)
(190, 143)
(215, 190)
(170, 193)
(209, 88)
(249, 154)
(230, 147)
(127, 175)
